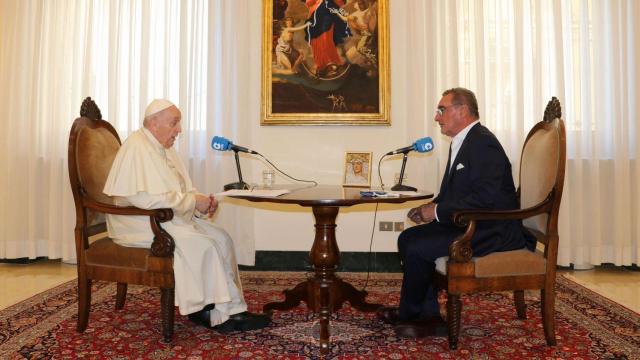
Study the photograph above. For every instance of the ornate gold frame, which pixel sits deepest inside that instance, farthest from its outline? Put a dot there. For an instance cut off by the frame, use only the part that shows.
(382, 117)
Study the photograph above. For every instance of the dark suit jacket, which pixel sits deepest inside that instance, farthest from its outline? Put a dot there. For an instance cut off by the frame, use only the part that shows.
(480, 178)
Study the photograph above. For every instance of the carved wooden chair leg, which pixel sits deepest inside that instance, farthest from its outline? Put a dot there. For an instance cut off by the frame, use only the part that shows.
(84, 302)
(521, 307)
(454, 307)
(548, 315)
(121, 295)
(167, 313)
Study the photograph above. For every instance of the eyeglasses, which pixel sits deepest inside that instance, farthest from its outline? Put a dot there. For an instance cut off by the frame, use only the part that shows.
(441, 109)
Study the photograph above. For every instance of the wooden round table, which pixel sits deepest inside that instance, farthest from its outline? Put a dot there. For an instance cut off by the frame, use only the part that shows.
(326, 292)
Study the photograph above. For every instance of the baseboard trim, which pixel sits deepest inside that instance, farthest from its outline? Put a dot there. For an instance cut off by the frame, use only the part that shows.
(22, 260)
(349, 261)
(381, 262)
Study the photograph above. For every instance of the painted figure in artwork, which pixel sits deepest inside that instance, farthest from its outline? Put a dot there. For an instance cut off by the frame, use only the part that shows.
(361, 48)
(287, 56)
(357, 169)
(324, 33)
(355, 174)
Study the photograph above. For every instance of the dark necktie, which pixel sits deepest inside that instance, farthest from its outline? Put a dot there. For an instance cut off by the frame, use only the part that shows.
(446, 171)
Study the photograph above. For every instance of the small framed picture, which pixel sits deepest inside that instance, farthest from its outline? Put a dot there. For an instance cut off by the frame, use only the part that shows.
(357, 169)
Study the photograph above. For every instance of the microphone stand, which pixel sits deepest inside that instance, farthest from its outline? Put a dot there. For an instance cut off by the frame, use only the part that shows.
(399, 186)
(240, 184)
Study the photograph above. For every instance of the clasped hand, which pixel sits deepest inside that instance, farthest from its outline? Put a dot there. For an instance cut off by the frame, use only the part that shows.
(206, 204)
(422, 214)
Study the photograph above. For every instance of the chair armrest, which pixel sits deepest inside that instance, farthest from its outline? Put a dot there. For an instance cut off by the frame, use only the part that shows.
(460, 249)
(163, 215)
(462, 218)
(163, 244)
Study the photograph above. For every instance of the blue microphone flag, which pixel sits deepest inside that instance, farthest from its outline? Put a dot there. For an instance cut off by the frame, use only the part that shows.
(423, 145)
(220, 143)
(223, 144)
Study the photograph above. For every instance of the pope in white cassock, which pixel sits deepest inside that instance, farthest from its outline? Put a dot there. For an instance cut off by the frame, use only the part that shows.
(147, 173)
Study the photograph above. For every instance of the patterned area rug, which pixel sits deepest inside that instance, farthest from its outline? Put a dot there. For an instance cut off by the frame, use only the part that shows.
(588, 326)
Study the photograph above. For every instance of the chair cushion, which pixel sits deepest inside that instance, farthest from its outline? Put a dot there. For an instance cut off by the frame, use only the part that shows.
(105, 252)
(503, 263)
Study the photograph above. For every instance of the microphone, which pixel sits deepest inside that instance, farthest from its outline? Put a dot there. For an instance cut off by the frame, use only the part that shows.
(223, 144)
(421, 145)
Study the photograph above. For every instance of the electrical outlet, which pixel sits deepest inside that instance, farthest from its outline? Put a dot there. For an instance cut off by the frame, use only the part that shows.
(386, 226)
(398, 226)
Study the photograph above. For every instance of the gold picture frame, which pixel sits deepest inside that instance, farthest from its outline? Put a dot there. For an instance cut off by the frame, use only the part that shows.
(357, 169)
(345, 83)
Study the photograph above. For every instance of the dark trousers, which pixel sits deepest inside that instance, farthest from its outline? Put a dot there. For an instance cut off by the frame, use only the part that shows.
(419, 247)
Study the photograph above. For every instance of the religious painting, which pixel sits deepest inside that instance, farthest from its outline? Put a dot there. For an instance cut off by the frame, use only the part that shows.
(325, 62)
(357, 169)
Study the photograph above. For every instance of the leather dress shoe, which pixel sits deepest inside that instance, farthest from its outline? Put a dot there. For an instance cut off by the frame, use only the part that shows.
(202, 317)
(243, 321)
(389, 315)
(433, 326)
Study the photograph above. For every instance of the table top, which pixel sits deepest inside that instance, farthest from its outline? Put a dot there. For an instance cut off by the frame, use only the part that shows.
(331, 195)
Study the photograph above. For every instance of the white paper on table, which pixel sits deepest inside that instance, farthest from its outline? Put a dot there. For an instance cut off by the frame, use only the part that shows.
(409, 193)
(254, 192)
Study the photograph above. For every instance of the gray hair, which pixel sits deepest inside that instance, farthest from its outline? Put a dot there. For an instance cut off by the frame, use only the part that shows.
(465, 97)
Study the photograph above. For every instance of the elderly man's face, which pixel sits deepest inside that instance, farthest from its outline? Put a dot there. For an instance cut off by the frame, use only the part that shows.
(165, 126)
(451, 117)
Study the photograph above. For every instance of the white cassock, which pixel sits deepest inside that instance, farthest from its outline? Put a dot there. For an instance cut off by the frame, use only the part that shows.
(146, 175)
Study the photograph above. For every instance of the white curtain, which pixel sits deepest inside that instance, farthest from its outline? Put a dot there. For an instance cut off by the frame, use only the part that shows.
(516, 55)
(41, 71)
(232, 110)
(123, 54)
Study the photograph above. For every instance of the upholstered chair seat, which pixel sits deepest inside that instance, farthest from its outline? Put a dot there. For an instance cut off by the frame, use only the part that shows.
(504, 263)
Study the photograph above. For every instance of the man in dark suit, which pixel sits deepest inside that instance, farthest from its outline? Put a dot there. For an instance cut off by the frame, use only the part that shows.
(477, 176)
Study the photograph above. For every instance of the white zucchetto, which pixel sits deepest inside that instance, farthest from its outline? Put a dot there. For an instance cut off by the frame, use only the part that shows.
(156, 106)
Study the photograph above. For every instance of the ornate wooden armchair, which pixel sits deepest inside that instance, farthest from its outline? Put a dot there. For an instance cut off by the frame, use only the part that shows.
(542, 167)
(93, 144)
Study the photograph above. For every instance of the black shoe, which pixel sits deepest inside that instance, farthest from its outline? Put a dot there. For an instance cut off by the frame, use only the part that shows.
(389, 315)
(243, 321)
(416, 330)
(202, 317)
(432, 320)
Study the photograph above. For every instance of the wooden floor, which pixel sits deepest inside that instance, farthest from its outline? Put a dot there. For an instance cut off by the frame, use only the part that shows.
(19, 282)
